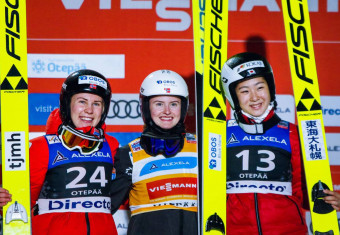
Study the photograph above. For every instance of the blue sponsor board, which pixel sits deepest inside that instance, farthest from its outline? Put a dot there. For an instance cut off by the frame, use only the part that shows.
(40, 106)
(125, 137)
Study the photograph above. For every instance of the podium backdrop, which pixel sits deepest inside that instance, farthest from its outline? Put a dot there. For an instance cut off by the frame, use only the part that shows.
(126, 40)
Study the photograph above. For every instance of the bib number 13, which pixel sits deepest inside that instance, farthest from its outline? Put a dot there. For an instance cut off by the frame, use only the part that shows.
(268, 160)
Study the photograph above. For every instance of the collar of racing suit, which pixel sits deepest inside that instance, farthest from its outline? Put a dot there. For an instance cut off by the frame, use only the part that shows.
(252, 126)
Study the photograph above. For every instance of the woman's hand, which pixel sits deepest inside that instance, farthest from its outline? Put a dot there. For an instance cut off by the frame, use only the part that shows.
(5, 197)
(333, 199)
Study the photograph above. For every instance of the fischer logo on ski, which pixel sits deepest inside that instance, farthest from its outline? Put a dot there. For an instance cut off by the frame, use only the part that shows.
(210, 24)
(14, 117)
(19, 84)
(215, 108)
(309, 114)
(306, 99)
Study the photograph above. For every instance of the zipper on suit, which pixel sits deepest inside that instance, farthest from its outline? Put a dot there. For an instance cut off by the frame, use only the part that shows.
(87, 223)
(259, 229)
(297, 208)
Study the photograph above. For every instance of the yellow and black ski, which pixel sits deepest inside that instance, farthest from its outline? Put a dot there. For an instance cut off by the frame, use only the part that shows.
(14, 117)
(210, 23)
(309, 114)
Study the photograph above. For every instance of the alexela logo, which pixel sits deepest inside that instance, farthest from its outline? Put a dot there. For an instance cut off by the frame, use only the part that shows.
(15, 150)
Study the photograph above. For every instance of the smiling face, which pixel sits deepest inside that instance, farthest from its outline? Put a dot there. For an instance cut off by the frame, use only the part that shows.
(165, 111)
(253, 96)
(86, 109)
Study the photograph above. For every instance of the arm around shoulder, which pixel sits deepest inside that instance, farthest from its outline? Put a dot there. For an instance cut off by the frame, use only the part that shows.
(121, 185)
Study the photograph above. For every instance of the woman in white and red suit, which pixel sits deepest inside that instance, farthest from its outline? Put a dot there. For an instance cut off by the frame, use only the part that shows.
(265, 180)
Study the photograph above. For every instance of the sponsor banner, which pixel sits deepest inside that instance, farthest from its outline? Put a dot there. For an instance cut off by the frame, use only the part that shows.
(286, 107)
(124, 110)
(15, 151)
(172, 187)
(168, 164)
(331, 110)
(313, 140)
(256, 186)
(183, 203)
(112, 19)
(333, 148)
(215, 151)
(61, 65)
(77, 204)
(40, 106)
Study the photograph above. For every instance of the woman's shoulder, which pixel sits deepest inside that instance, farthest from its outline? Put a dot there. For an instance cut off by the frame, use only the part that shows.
(43, 139)
(112, 140)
